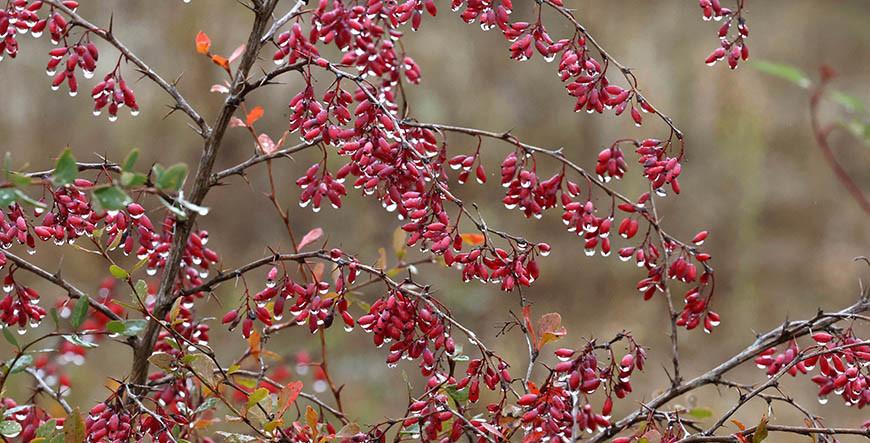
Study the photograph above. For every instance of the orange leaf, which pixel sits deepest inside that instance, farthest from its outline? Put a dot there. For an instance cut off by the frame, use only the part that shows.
(254, 115)
(740, 425)
(221, 61)
(203, 43)
(473, 239)
(254, 343)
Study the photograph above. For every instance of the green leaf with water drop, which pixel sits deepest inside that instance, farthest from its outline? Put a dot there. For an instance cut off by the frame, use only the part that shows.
(65, 170)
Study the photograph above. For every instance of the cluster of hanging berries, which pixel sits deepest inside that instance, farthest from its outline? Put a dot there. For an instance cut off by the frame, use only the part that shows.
(318, 183)
(20, 304)
(113, 93)
(184, 325)
(415, 331)
(108, 422)
(842, 360)
(658, 167)
(30, 417)
(498, 266)
(525, 190)
(366, 35)
(309, 303)
(433, 416)
(67, 58)
(552, 410)
(492, 375)
(732, 48)
(22, 16)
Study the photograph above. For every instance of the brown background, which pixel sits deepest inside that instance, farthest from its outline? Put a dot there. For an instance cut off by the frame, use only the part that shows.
(784, 233)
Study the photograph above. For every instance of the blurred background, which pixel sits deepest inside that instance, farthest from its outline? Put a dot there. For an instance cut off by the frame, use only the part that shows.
(784, 232)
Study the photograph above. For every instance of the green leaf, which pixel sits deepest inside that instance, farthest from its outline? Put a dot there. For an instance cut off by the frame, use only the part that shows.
(141, 289)
(132, 179)
(852, 104)
(785, 72)
(257, 396)
(162, 360)
(111, 198)
(230, 437)
(130, 160)
(47, 429)
(209, 403)
(10, 428)
(129, 328)
(761, 431)
(7, 197)
(65, 170)
(76, 340)
(19, 364)
(10, 337)
(701, 413)
(178, 212)
(19, 180)
(22, 197)
(201, 210)
(460, 396)
(172, 177)
(54, 317)
(204, 368)
(118, 272)
(79, 312)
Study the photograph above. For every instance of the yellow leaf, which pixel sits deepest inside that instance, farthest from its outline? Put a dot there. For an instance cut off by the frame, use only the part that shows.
(203, 43)
(311, 417)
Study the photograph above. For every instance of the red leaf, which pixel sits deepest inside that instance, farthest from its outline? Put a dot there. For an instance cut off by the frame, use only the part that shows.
(310, 237)
(254, 115)
(203, 43)
(288, 395)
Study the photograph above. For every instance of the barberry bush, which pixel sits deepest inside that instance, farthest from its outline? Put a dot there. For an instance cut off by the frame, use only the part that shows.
(148, 224)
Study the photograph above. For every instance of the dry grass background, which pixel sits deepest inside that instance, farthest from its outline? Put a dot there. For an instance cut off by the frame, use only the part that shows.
(783, 236)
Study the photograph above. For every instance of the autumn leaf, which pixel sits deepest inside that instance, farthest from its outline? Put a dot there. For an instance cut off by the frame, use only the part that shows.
(254, 343)
(254, 115)
(221, 61)
(760, 431)
(310, 237)
(550, 328)
(266, 144)
(473, 239)
(203, 43)
(288, 395)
